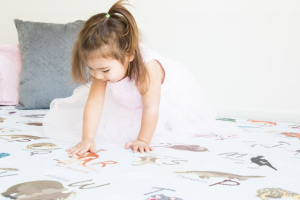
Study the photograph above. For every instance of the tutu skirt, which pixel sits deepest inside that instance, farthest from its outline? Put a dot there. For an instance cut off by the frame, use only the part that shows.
(184, 112)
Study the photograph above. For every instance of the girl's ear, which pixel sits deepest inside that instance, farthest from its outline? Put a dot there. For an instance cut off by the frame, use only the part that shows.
(130, 57)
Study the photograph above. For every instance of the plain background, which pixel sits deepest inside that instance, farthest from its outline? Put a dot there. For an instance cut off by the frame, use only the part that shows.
(245, 53)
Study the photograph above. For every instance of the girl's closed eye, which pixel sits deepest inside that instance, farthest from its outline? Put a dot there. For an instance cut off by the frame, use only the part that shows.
(105, 71)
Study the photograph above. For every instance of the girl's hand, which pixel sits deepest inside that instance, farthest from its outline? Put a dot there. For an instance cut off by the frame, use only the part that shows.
(82, 147)
(138, 145)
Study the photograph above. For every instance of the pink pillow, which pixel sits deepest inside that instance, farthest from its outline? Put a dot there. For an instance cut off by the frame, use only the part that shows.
(10, 68)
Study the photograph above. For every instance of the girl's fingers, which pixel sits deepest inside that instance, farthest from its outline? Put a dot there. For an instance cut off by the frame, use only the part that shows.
(93, 149)
(83, 150)
(135, 149)
(141, 149)
(147, 149)
(128, 144)
(70, 150)
(151, 148)
(76, 150)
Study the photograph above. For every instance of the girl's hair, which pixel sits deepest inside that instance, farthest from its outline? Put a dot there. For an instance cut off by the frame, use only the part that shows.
(114, 37)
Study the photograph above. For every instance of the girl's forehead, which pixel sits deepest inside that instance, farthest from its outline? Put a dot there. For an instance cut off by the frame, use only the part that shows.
(99, 59)
(101, 62)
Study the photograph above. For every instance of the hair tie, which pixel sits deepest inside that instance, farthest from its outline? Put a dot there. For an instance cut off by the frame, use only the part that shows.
(107, 15)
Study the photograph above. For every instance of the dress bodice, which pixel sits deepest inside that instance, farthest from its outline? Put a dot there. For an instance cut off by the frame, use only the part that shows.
(125, 91)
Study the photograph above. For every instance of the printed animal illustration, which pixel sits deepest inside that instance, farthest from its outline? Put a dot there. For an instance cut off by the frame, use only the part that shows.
(209, 174)
(217, 137)
(32, 123)
(226, 119)
(220, 137)
(147, 159)
(82, 159)
(260, 161)
(44, 189)
(195, 148)
(3, 155)
(295, 126)
(248, 127)
(291, 134)
(2, 119)
(34, 116)
(162, 197)
(276, 193)
(24, 136)
(262, 122)
(9, 169)
(47, 145)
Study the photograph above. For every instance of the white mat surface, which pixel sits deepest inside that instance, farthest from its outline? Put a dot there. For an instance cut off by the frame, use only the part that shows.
(210, 168)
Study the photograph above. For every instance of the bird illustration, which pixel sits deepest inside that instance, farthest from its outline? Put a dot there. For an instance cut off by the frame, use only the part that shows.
(258, 160)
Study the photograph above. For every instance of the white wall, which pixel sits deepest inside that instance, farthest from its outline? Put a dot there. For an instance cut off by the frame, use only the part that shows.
(245, 53)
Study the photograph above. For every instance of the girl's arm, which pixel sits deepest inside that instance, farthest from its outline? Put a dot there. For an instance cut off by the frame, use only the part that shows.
(150, 115)
(91, 118)
(149, 122)
(93, 109)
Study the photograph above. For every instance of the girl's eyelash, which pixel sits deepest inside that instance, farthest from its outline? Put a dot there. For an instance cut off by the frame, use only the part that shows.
(103, 71)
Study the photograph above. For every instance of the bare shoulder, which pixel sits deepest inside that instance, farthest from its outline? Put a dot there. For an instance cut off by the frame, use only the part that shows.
(155, 74)
(153, 64)
(151, 98)
(155, 69)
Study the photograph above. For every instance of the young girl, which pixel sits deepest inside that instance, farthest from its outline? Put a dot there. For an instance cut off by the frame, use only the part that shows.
(132, 95)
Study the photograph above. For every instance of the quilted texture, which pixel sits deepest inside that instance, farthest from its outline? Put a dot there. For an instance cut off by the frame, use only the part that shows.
(46, 62)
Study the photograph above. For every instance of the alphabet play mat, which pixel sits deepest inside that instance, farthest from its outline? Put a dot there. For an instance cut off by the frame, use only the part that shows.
(261, 163)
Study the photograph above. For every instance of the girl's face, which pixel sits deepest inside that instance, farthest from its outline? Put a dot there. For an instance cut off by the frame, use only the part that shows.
(109, 70)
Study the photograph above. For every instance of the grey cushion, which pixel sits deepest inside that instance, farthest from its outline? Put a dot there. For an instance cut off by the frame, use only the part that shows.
(46, 50)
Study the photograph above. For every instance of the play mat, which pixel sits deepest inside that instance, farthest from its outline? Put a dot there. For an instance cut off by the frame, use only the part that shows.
(261, 163)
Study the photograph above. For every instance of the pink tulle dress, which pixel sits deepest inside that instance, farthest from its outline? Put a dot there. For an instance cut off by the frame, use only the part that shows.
(184, 112)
